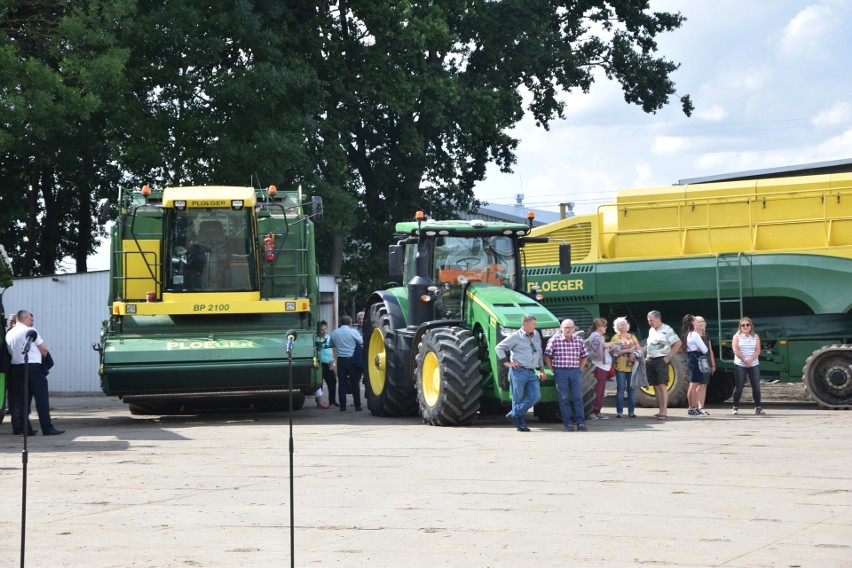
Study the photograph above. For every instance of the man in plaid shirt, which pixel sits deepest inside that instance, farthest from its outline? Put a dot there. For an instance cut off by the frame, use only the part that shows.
(566, 356)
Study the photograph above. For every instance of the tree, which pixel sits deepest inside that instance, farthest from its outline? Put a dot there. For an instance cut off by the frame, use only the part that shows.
(61, 69)
(420, 96)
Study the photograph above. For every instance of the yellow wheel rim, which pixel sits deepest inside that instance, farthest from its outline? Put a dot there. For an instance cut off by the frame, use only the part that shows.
(431, 379)
(376, 361)
(652, 392)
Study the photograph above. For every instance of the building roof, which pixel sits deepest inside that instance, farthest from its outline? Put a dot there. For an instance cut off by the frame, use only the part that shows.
(814, 168)
(514, 214)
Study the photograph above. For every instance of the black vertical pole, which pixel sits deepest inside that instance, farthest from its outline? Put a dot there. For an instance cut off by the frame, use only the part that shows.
(290, 387)
(24, 417)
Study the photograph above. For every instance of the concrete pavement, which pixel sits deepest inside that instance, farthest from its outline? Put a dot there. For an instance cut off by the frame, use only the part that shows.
(213, 490)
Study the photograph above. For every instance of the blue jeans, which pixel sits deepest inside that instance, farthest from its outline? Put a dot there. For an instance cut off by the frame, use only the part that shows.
(622, 384)
(569, 381)
(526, 391)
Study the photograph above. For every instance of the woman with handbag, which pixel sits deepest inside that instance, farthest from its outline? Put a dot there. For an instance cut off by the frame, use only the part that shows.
(601, 359)
(695, 349)
(626, 347)
(708, 366)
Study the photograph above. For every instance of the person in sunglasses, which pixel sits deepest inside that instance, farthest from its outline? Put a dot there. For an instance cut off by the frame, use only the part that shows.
(746, 346)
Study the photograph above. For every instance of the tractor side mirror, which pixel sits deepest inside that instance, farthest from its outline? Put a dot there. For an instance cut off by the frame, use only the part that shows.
(565, 258)
(395, 260)
(316, 209)
(103, 211)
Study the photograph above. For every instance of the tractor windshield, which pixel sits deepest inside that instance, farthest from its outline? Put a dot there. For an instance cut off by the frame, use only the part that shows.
(210, 250)
(458, 260)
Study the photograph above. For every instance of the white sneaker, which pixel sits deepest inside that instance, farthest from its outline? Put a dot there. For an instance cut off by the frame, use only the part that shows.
(735, 411)
(600, 416)
(759, 411)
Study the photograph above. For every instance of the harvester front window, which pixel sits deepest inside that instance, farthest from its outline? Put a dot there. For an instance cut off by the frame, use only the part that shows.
(210, 250)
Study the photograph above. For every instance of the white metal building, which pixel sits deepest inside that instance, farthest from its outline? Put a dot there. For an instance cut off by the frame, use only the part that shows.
(69, 310)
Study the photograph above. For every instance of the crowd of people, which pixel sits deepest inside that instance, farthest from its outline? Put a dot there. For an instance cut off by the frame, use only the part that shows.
(617, 356)
(621, 357)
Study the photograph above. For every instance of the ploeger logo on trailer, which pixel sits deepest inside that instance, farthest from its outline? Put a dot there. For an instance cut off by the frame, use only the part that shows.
(209, 344)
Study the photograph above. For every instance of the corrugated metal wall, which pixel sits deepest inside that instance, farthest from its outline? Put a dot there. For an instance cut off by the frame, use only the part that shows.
(68, 309)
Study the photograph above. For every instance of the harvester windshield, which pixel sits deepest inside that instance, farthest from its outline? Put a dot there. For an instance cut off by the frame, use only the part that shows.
(210, 250)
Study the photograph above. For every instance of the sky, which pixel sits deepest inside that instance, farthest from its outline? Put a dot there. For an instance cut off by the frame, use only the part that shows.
(770, 83)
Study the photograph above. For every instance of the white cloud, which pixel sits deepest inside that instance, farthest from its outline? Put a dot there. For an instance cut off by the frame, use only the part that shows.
(806, 33)
(712, 113)
(840, 113)
(669, 144)
(836, 147)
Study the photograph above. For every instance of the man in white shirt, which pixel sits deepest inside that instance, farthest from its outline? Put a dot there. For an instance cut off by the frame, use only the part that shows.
(33, 370)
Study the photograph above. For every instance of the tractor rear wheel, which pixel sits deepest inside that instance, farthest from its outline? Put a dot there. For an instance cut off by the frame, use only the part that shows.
(677, 385)
(447, 375)
(384, 395)
(828, 376)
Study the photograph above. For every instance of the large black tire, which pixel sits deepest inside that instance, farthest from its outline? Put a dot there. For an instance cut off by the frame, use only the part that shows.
(678, 385)
(384, 396)
(447, 376)
(828, 376)
(721, 387)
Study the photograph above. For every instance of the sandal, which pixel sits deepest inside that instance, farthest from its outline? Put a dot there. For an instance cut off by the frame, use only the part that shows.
(661, 417)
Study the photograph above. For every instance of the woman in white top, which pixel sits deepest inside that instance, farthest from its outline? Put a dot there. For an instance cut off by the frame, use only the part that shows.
(746, 346)
(695, 348)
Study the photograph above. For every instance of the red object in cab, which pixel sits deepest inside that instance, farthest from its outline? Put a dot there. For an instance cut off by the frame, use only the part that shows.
(269, 248)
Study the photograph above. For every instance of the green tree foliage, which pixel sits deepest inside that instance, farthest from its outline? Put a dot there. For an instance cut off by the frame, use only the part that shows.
(421, 96)
(383, 107)
(60, 71)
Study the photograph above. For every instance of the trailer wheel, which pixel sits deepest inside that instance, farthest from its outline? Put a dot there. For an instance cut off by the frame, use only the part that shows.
(384, 396)
(447, 375)
(828, 376)
(721, 388)
(678, 385)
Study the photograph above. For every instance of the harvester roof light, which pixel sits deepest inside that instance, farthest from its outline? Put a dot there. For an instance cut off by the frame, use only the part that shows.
(539, 297)
(180, 204)
(431, 233)
(530, 215)
(507, 232)
(146, 190)
(237, 204)
(272, 191)
(478, 223)
(443, 233)
(426, 298)
(419, 215)
(520, 233)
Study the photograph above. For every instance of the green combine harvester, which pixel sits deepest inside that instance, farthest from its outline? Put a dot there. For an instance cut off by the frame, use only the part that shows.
(206, 285)
(429, 345)
(778, 250)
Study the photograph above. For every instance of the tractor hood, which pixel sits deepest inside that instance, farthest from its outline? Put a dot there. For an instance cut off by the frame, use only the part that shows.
(508, 307)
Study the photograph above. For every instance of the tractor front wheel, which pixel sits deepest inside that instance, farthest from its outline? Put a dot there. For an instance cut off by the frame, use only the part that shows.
(447, 376)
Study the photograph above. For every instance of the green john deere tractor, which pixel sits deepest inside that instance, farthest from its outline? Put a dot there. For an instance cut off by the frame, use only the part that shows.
(429, 345)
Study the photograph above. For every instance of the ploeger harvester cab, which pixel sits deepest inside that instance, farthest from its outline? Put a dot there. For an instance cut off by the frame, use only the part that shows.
(205, 284)
(429, 345)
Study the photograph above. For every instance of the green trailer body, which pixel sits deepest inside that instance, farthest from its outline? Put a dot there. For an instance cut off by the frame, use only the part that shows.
(429, 345)
(777, 250)
(206, 283)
